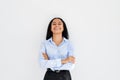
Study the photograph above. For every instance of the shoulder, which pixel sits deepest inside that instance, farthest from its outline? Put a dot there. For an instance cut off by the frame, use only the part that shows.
(45, 42)
(69, 42)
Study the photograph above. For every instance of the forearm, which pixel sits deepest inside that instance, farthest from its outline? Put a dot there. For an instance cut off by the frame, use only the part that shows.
(70, 59)
(46, 63)
(50, 63)
(67, 66)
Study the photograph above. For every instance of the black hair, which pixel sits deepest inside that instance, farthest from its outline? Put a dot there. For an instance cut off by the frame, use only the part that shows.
(64, 33)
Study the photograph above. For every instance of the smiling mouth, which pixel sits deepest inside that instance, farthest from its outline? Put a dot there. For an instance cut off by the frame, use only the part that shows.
(57, 28)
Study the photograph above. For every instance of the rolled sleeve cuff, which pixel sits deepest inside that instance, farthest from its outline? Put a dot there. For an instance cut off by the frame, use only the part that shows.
(58, 62)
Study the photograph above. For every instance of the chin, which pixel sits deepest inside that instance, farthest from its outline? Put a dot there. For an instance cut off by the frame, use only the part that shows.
(57, 32)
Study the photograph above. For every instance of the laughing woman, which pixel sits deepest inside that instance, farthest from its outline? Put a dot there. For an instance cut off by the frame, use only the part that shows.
(56, 54)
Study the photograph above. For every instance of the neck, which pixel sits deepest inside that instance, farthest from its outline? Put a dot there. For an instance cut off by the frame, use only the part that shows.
(57, 38)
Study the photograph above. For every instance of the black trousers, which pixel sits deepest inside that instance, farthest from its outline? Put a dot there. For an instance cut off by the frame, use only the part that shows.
(57, 75)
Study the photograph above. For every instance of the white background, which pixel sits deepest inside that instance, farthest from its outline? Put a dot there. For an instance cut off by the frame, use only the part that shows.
(94, 28)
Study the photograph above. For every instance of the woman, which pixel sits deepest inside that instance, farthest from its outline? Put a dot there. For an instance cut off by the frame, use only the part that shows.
(56, 53)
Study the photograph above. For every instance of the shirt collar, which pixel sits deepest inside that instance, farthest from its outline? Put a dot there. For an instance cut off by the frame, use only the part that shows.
(50, 39)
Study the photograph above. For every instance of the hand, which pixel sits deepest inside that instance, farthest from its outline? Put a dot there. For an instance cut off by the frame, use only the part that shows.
(45, 56)
(68, 59)
(71, 59)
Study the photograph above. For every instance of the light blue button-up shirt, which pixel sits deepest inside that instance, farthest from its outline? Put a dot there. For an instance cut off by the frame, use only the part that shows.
(56, 54)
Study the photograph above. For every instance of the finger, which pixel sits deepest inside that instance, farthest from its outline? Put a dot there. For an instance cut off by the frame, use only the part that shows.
(71, 56)
(45, 56)
(73, 61)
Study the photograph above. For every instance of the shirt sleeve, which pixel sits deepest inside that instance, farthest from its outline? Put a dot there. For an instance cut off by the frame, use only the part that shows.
(70, 49)
(47, 63)
(69, 66)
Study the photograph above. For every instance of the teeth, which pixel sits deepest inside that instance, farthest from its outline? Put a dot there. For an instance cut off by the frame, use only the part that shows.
(56, 28)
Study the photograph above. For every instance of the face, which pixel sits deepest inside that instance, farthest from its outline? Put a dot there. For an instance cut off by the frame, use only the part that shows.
(57, 26)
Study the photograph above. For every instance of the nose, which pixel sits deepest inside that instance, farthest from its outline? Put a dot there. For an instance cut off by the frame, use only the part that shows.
(56, 25)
